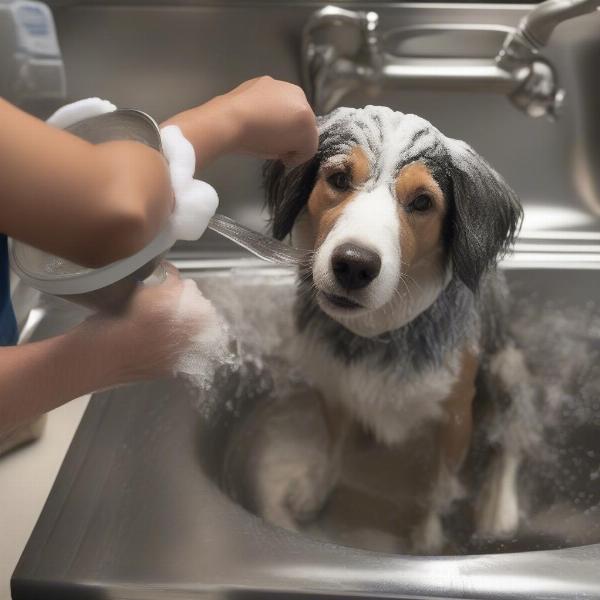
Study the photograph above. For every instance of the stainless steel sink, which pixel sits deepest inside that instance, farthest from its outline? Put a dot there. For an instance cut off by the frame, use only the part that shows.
(149, 502)
(155, 497)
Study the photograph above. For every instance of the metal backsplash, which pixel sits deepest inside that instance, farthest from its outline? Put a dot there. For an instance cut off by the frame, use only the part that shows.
(165, 58)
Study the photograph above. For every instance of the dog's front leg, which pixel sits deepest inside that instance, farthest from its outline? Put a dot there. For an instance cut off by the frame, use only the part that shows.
(308, 497)
(453, 443)
(497, 508)
(338, 423)
(428, 537)
(300, 463)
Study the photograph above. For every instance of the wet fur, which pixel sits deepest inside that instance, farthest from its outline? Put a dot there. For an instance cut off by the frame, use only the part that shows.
(402, 379)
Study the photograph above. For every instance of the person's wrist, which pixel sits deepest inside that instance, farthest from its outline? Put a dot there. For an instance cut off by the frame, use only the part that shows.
(111, 350)
(126, 366)
(234, 120)
(213, 128)
(224, 113)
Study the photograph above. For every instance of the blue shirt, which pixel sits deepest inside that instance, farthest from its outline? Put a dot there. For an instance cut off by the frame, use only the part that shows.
(8, 324)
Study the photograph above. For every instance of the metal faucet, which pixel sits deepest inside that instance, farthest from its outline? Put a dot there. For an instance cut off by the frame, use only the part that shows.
(343, 51)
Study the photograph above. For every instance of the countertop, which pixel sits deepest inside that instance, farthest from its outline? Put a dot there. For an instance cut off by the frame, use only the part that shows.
(26, 477)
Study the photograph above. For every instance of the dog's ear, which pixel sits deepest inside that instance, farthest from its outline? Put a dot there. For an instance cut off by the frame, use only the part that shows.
(287, 192)
(485, 215)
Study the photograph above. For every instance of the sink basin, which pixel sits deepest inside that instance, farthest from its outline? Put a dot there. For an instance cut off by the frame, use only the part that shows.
(154, 499)
(157, 497)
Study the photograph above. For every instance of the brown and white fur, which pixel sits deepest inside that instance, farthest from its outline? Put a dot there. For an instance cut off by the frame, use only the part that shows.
(394, 316)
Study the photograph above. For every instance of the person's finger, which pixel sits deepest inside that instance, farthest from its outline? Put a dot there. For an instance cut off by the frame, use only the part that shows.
(290, 160)
(307, 143)
(293, 159)
(303, 153)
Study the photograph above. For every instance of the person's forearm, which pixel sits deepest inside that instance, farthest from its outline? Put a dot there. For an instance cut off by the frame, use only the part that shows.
(37, 377)
(261, 117)
(90, 204)
(209, 128)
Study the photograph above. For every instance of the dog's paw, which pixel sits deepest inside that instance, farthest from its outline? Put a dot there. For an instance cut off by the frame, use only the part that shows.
(308, 493)
(294, 499)
(279, 515)
(293, 482)
(498, 514)
(428, 537)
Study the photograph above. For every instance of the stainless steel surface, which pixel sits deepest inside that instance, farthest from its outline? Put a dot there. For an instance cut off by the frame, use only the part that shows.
(141, 508)
(538, 92)
(343, 50)
(538, 25)
(122, 124)
(138, 510)
(164, 58)
(259, 244)
(340, 53)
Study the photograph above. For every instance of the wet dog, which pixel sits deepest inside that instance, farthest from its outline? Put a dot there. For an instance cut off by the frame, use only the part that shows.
(399, 314)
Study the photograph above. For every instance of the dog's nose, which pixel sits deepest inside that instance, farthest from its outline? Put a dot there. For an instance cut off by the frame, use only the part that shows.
(355, 267)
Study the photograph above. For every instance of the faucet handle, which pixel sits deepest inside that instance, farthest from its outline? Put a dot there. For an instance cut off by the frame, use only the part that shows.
(539, 94)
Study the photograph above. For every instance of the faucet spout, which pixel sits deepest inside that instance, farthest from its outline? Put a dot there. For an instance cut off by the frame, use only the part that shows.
(538, 93)
(538, 25)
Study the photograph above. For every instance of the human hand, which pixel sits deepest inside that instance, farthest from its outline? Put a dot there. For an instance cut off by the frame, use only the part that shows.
(161, 325)
(275, 120)
(195, 201)
(262, 117)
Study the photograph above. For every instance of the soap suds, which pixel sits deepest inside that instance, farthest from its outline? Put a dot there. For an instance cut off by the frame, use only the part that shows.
(195, 201)
(389, 138)
(256, 329)
(209, 348)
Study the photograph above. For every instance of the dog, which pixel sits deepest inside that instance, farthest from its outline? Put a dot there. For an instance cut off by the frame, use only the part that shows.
(400, 310)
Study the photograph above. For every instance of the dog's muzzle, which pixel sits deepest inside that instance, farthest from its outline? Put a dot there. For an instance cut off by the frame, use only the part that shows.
(354, 267)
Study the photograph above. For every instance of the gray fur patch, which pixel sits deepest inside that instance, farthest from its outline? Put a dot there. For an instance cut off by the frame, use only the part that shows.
(451, 321)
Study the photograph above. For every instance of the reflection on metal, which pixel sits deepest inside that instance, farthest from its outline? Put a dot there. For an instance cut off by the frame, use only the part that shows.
(343, 50)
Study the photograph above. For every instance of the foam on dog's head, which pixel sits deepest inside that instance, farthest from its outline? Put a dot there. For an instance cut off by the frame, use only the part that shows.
(480, 213)
(389, 138)
(487, 209)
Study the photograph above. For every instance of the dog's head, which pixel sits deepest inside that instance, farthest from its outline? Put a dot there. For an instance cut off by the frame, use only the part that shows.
(392, 209)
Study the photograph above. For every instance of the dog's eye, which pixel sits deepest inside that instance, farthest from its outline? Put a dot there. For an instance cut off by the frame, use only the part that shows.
(421, 203)
(339, 181)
